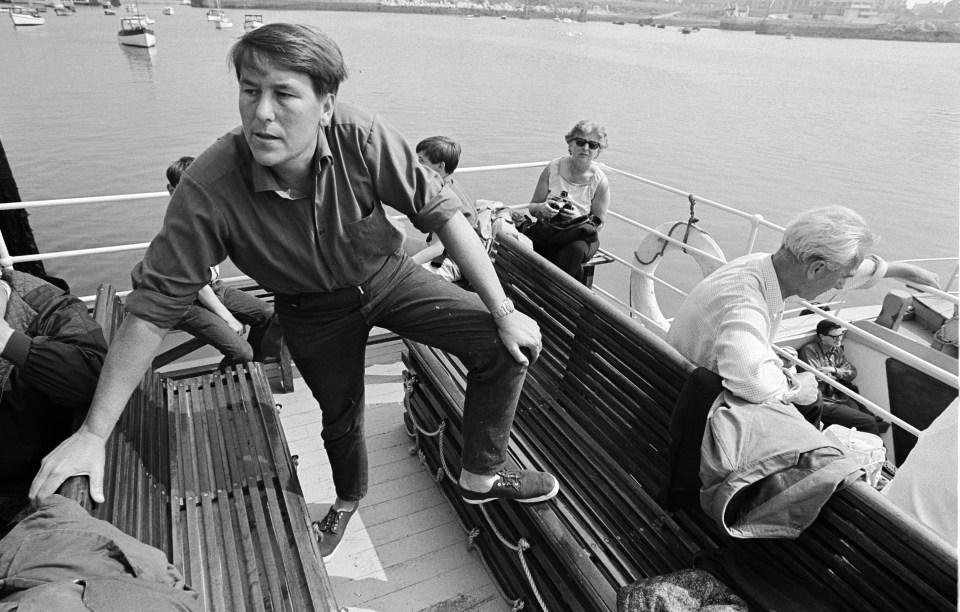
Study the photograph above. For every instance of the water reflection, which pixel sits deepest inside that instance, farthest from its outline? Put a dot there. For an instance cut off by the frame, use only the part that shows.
(141, 61)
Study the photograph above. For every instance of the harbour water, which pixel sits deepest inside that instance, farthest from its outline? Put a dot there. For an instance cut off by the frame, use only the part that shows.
(761, 123)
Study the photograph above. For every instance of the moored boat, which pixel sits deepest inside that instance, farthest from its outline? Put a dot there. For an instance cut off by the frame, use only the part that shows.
(252, 22)
(214, 15)
(224, 23)
(24, 16)
(136, 32)
(168, 10)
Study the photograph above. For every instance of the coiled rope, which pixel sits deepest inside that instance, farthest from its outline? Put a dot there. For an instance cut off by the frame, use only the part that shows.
(522, 544)
(690, 222)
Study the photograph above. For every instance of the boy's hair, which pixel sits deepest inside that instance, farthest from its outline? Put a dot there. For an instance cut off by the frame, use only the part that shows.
(441, 149)
(177, 168)
(295, 47)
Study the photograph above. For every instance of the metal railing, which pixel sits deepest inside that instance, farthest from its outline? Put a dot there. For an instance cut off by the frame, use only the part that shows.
(755, 221)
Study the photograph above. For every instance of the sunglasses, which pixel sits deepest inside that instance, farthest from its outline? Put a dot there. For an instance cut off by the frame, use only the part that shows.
(837, 336)
(583, 142)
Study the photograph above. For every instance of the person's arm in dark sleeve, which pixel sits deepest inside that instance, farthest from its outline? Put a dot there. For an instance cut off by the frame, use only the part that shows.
(64, 357)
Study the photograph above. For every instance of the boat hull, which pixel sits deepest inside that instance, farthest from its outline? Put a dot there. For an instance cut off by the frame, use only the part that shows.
(25, 19)
(143, 39)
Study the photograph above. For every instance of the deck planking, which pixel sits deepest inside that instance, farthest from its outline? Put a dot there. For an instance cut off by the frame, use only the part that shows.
(404, 551)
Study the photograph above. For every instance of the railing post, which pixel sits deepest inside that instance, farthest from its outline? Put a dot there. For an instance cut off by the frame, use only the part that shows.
(755, 222)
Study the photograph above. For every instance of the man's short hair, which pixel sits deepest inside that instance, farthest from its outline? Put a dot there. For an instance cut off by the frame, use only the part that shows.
(295, 47)
(177, 168)
(441, 149)
(826, 326)
(836, 235)
(584, 128)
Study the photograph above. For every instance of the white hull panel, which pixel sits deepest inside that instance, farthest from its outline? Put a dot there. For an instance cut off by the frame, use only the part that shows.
(144, 39)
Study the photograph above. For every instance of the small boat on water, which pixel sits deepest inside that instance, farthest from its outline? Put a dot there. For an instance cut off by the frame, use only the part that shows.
(168, 10)
(685, 30)
(789, 35)
(136, 32)
(25, 16)
(252, 22)
(215, 15)
(224, 23)
(109, 11)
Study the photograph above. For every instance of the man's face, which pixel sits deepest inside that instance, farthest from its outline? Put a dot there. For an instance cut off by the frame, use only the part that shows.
(281, 115)
(821, 278)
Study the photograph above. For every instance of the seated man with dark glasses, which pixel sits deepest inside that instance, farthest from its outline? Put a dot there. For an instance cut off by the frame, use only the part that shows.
(827, 355)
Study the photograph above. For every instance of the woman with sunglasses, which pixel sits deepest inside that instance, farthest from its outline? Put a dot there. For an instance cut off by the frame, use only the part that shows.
(571, 187)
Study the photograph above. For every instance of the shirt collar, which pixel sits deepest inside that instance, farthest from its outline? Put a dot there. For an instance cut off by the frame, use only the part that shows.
(773, 295)
(265, 180)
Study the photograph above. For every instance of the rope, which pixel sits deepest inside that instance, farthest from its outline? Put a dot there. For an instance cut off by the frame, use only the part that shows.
(522, 544)
(686, 234)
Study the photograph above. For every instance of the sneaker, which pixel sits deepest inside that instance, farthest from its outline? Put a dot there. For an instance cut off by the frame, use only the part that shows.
(330, 530)
(525, 486)
(408, 425)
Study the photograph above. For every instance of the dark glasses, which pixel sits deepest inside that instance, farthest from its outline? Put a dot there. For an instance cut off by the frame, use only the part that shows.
(836, 336)
(583, 142)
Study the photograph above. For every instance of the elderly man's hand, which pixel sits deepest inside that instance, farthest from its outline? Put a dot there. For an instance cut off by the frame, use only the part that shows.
(805, 392)
(83, 453)
(518, 330)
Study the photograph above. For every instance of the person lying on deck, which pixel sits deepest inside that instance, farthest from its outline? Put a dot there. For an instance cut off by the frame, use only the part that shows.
(295, 196)
(442, 155)
(220, 315)
(51, 353)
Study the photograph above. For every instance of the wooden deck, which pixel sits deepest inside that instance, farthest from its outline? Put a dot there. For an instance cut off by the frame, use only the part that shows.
(405, 550)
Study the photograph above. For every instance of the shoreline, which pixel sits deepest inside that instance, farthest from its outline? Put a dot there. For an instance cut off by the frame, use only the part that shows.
(643, 15)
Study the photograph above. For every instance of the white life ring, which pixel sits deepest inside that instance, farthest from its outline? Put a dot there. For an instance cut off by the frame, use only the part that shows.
(647, 257)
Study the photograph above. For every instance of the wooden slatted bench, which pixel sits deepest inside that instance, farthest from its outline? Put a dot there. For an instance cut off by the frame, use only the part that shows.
(595, 410)
(199, 467)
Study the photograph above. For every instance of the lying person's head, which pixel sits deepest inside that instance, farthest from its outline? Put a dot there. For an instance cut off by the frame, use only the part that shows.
(440, 153)
(176, 170)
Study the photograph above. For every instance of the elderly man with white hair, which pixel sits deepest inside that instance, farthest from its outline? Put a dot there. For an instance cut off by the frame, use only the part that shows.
(728, 322)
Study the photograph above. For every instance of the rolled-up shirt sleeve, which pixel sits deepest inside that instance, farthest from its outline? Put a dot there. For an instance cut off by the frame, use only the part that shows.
(177, 263)
(403, 184)
(745, 360)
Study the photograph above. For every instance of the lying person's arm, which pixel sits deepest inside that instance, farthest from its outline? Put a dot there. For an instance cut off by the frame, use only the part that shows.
(434, 249)
(209, 299)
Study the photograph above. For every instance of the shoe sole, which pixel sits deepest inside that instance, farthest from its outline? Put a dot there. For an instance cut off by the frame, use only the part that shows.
(332, 552)
(530, 500)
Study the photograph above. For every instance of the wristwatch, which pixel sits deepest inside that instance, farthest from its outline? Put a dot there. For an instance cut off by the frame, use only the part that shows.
(505, 308)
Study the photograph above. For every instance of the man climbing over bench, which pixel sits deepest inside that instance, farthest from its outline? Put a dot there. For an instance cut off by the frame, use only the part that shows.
(295, 198)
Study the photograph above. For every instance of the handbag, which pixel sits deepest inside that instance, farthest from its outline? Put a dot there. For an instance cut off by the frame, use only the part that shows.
(556, 234)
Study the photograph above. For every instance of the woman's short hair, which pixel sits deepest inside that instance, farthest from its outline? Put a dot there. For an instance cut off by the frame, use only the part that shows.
(836, 235)
(177, 168)
(584, 128)
(441, 149)
(294, 47)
